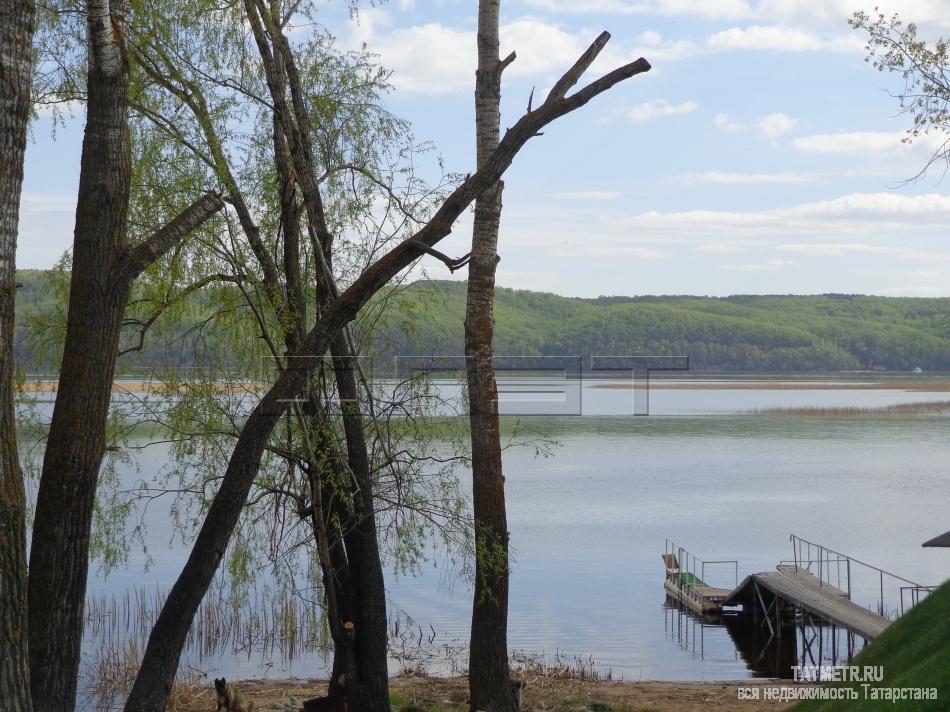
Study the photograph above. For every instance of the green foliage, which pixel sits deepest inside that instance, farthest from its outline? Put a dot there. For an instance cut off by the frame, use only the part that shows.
(491, 565)
(896, 47)
(749, 333)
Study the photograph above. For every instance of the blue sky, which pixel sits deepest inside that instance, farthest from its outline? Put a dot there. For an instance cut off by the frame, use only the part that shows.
(760, 155)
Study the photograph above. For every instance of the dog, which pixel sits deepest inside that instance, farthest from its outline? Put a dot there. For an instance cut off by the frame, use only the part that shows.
(230, 698)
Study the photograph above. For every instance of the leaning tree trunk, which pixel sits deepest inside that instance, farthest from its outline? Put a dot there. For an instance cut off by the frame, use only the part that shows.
(489, 677)
(16, 43)
(103, 271)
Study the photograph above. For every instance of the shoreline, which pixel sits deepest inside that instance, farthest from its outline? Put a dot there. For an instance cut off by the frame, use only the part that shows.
(40, 385)
(552, 694)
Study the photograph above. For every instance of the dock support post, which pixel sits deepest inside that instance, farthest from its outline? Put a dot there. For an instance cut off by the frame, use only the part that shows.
(882, 594)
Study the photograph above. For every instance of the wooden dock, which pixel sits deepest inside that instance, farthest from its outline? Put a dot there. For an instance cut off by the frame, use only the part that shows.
(791, 585)
(690, 590)
(791, 590)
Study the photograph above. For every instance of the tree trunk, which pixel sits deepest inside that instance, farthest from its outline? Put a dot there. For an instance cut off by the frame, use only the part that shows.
(103, 271)
(371, 692)
(489, 677)
(16, 44)
(97, 298)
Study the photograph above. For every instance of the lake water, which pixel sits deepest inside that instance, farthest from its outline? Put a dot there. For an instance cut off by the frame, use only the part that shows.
(588, 524)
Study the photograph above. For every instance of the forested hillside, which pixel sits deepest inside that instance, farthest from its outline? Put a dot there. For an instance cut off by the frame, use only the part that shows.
(749, 333)
(757, 333)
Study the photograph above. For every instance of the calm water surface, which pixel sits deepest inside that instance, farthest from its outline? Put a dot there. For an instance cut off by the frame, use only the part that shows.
(588, 524)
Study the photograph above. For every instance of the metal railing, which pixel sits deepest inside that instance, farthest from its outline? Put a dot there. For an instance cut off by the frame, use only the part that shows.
(696, 567)
(831, 564)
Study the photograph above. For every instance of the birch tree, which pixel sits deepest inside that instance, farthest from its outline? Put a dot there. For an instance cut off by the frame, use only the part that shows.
(489, 677)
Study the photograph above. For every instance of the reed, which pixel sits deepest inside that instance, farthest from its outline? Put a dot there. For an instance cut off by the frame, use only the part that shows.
(916, 408)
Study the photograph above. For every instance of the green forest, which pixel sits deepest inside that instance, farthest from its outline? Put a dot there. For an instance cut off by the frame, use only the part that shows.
(832, 332)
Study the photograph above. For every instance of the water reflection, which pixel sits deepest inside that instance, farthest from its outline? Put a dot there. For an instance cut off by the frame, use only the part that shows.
(800, 641)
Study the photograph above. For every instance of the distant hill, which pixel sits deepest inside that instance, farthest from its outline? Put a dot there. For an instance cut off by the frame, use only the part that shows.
(750, 333)
(831, 332)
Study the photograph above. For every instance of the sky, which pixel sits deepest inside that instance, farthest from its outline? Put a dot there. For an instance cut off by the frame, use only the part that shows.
(760, 155)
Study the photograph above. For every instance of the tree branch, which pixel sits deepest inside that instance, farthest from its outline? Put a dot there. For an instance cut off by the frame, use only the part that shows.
(137, 259)
(559, 90)
(452, 264)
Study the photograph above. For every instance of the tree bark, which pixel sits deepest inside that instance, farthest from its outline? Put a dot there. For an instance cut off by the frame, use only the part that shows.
(16, 46)
(160, 660)
(371, 691)
(489, 676)
(103, 271)
(97, 297)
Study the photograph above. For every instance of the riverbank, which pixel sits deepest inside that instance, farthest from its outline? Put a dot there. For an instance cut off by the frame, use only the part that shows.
(547, 693)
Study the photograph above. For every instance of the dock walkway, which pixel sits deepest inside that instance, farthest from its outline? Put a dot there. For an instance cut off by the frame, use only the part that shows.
(791, 589)
(802, 589)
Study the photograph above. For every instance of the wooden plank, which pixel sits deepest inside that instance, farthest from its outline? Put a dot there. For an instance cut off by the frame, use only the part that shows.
(802, 589)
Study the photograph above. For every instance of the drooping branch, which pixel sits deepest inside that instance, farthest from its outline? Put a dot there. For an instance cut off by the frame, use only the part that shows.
(145, 324)
(160, 661)
(168, 76)
(138, 258)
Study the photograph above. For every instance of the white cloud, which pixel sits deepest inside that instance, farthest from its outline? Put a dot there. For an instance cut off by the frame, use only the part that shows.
(593, 195)
(721, 9)
(45, 227)
(724, 123)
(437, 58)
(619, 253)
(719, 247)
(858, 215)
(776, 125)
(727, 178)
(771, 126)
(434, 58)
(915, 290)
(831, 249)
(804, 12)
(781, 39)
(660, 108)
(769, 266)
(867, 144)
(855, 143)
